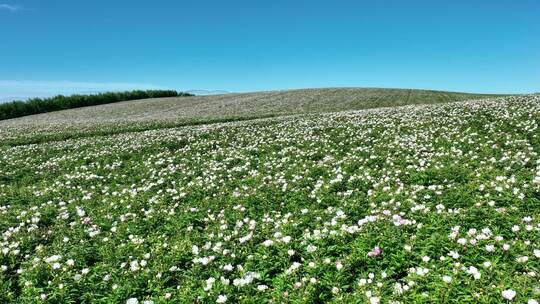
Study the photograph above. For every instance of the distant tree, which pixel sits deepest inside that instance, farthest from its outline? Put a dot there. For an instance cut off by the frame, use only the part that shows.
(42, 105)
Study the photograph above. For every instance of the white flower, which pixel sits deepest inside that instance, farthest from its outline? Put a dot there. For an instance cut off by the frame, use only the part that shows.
(508, 294)
(454, 254)
(474, 271)
(522, 259)
(268, 243)
(221, 299)
(132, 301)
(225, 281)
(134, 265)
(81, 213)
(311, 248)
(532, 301)
(294, 266)
(209, 282)
(53, 258)
(335, 290)
(262, 287)
(447, 279)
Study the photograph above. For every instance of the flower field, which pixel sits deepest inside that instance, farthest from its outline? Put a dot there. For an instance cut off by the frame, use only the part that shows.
(413, 204)
(138, 115)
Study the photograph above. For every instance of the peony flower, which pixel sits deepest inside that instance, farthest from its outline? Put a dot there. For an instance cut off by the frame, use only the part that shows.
(132, 301)
(268, 243)
(221, 299)
(376, 251)
(508, 294)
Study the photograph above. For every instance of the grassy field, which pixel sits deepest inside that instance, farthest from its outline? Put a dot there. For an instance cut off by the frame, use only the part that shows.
(173, 112)
(422, 203)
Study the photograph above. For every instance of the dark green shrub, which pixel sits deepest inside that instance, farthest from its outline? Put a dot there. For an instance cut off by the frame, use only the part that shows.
(42, 105)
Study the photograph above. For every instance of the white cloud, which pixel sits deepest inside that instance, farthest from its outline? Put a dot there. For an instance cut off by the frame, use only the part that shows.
(11, 8)
(32, 88)
(73, 84)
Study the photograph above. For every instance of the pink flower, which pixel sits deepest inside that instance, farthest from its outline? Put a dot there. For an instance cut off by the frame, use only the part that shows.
(375, 252)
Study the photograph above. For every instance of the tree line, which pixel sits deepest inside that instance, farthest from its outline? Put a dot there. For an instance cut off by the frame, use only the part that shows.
(60, 102)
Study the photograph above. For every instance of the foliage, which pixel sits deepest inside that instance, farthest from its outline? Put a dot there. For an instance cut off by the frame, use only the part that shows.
(42, 105)
(414, 204)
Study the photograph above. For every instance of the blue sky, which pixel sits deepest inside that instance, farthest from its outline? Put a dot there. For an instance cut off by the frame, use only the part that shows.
(49, 47)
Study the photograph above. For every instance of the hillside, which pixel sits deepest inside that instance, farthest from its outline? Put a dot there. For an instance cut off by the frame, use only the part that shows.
(34, 106)
(166, 112)
(388, 205)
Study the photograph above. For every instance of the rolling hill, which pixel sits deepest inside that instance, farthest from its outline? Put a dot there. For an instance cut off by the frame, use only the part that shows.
(169, 112)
